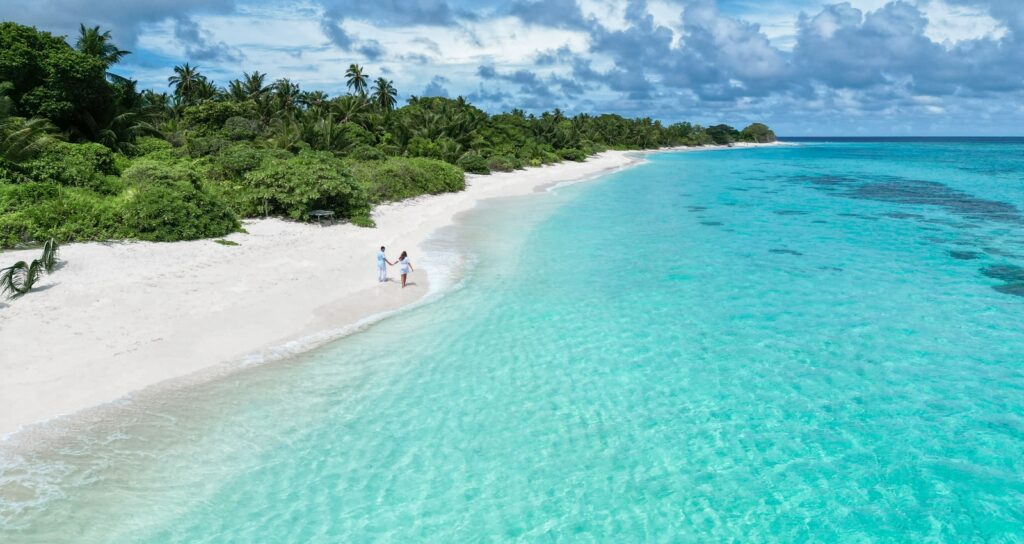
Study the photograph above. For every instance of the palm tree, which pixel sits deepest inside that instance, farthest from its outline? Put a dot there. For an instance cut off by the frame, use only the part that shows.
(254, 84)
(287, 94)
(206, 90)
(186, 81)
(122, 131)
(21, 139)
(384, 94)
(314, 100)
(355, 80)
(98, 44)
(153, 99)
(287, 133)
(236, 91)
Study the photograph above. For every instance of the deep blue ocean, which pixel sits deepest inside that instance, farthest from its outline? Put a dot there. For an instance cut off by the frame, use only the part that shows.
(818, 342)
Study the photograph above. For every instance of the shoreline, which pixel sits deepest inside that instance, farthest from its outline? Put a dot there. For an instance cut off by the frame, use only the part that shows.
(125, 319)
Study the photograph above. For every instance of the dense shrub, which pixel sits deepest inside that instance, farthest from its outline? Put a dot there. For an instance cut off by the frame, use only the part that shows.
(443, 148)
(367, 153)
(572, 154)
(181, 211)
(147, 171)
(232, 163)
(75, 165)
(389, 150)
(308, 181)
(212, 115)
(534, 154)
(167, 201)
(423, 147)
(722, 134)
(147, 145)
(12, 173)
(66, 214)
(398, 178)
(474, 163)
(205, 145)
(23, 195)
(240, 128)
(757, 132)
(504, 163)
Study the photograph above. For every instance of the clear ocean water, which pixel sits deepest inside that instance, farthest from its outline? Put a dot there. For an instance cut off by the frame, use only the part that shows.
(811, 343)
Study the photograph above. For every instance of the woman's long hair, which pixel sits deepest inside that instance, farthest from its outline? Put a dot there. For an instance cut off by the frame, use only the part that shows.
(403, 255)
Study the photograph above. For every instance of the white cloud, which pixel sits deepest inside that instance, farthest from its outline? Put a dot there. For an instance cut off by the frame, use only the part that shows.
(610, 13)
(950, 24)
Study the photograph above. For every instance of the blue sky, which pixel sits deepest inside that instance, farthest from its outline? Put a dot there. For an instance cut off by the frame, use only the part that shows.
(806, 67)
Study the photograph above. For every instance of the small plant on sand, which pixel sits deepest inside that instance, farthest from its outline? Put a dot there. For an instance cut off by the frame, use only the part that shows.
(19, 279)
(224, 242)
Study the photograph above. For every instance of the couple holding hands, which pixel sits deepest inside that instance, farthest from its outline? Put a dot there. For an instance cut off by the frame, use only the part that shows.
(382, 266)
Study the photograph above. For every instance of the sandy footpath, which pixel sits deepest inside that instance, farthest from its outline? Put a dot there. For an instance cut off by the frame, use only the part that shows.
(118, 317)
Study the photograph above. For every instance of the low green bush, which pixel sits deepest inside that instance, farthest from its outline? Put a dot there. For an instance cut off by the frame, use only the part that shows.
(238, 196)
(240, 128)
(212, 115)
(308, 181)
(504, 163)
(69, 214)
(572, 154)
(12, 173)
(147, 171)
(367, 153)
(166, 213)
(15, 197)
(74, 165)
(397, 178)
(205, 145)
(146, 145)
(474, 163)
(232, 163)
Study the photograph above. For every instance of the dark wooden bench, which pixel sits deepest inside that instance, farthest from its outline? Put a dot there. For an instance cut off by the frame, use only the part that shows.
(320, 215)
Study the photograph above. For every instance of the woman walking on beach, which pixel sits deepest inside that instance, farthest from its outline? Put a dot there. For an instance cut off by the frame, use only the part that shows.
(405, 266)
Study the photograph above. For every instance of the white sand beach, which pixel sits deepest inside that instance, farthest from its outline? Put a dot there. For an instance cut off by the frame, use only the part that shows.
(120, 317)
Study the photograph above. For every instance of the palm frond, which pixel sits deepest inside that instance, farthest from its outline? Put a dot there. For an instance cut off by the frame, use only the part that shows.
(19, 279)
(21, 139)
(49, 258)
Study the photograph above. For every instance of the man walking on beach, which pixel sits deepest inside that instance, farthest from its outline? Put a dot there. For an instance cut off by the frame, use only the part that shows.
(382, 266)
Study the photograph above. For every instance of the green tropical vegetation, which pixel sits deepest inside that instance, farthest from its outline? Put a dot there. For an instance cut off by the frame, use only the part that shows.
(85, 155)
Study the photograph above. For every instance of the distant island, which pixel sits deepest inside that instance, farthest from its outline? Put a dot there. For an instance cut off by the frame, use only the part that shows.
(84, 155)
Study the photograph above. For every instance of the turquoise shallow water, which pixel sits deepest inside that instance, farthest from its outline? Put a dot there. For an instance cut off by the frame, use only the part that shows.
(812, 343)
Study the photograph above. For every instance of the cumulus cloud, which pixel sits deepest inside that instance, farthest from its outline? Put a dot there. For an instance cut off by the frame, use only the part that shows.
(556, 13)
(436, 87)
(200, 45)
(828, 64)
(124, 18)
